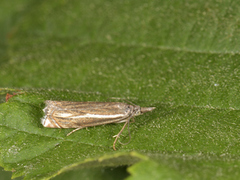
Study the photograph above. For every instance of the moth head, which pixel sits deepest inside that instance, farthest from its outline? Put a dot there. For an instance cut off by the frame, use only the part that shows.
(140, 110)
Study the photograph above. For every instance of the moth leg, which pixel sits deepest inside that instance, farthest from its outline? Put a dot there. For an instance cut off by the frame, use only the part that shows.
(120, 132)
(133, 120)
(74, 130)
(128, 134)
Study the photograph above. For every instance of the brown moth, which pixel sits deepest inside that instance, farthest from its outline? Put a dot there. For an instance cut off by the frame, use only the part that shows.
(78, 115)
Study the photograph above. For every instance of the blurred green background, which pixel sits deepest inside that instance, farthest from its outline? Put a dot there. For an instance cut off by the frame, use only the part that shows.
(180, 56)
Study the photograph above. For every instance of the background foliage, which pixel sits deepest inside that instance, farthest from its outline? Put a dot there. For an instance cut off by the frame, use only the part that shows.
(181, 57)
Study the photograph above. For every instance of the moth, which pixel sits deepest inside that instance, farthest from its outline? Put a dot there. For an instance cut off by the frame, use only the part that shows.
(78, 115)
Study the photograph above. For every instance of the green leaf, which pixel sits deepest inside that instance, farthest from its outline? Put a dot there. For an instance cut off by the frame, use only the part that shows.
(178, 56)
(152, 170)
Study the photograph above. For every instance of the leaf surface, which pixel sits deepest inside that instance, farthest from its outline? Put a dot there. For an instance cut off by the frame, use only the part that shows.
(180, 57)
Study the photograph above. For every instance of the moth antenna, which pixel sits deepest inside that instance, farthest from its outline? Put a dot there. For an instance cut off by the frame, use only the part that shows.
(123, 100)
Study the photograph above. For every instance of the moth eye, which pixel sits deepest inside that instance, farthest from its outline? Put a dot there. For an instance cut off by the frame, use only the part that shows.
(127, 109)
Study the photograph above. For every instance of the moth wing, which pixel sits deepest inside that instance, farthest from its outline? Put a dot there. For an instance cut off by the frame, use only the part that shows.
(83, 114)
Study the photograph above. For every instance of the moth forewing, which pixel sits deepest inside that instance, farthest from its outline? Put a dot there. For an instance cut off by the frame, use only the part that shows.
(67, 114)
